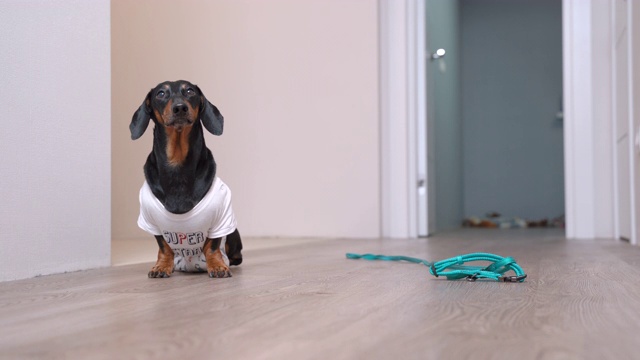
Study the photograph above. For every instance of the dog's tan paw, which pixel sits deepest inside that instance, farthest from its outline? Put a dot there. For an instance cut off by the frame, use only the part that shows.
(159, 271)
(219, 272)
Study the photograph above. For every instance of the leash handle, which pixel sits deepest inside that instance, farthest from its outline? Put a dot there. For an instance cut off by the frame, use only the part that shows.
(454, 268)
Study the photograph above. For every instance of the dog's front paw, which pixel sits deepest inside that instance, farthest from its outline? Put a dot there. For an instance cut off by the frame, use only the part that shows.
(219, 272)
(159, 271)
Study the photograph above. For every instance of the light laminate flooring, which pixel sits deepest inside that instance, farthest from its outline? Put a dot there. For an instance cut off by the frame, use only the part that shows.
(306, 301)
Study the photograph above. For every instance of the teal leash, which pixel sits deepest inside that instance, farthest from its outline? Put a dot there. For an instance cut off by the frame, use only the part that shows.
(454, 268)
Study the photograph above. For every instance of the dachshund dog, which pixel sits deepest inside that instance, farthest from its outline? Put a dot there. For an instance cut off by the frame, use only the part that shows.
(182, 202)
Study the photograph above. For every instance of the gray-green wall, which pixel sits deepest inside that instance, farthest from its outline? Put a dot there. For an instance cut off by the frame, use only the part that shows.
(511, 71)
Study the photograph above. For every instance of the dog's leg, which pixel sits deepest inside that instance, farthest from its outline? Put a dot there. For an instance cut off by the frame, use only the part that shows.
(233, 248)
(164, 265)
(215, 263)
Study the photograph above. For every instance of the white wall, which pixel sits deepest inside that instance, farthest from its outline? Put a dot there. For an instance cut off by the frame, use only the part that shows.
(601, 43)
(55, 138)
(297, 82)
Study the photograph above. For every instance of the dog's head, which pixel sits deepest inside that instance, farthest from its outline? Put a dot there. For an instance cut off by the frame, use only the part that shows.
(176, 105)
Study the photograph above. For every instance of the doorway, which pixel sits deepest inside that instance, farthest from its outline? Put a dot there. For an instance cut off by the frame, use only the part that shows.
(494, 109)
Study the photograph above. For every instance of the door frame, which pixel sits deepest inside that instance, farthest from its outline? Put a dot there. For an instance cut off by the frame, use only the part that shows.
(399, 25)
(588, 151)
(634, 120)
(618, 233)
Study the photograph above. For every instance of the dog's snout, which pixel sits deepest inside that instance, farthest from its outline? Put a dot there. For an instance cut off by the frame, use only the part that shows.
(180, 109)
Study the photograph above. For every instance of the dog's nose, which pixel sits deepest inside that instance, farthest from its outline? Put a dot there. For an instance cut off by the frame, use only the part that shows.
(180, 108)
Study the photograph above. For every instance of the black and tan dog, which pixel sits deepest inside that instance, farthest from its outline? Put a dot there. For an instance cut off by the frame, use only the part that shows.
(180, 173)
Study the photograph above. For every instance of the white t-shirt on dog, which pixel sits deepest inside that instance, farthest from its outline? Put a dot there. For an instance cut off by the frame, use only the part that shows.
(186, 233)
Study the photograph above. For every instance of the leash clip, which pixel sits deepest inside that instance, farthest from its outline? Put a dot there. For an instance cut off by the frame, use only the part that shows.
(512, 278)
(473, 277)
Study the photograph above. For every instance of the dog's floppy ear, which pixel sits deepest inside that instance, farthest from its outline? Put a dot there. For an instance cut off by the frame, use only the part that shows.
(141, 117)
(211, 118)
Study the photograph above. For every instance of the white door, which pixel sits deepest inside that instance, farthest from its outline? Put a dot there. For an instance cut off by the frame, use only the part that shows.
(633, 27)
(623, 133)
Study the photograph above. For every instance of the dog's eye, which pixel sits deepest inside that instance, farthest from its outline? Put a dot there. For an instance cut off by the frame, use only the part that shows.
(160, 94)
(190, 91)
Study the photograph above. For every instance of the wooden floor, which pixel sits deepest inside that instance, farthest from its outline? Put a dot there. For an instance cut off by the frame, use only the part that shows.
(580, 301)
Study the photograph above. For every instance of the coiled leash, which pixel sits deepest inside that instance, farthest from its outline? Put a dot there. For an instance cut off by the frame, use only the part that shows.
(456, 269)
